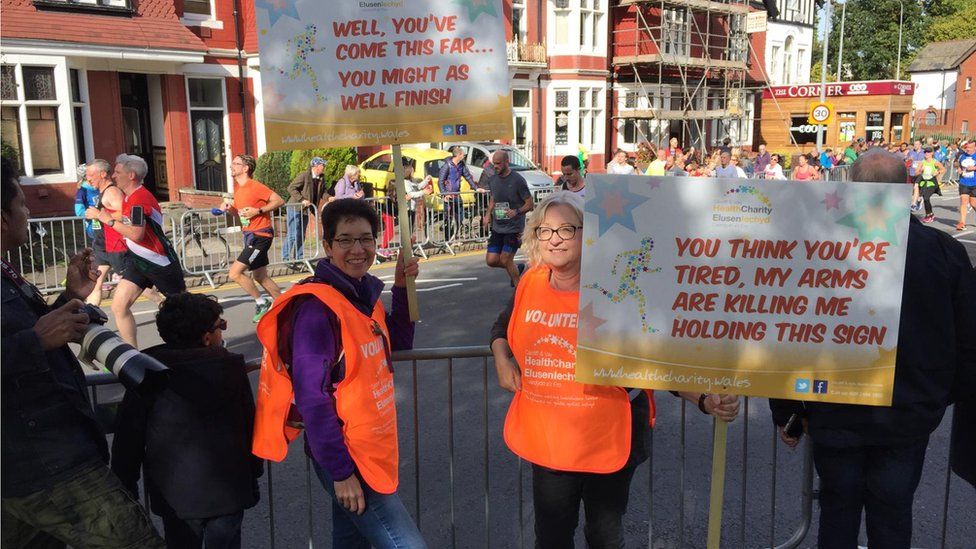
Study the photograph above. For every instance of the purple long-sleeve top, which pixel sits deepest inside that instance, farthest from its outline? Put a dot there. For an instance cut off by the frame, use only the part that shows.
(347, 189)
(315, 344)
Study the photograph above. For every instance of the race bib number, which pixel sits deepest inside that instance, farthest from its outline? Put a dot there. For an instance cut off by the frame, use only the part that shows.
(96, 224)
(500, 209)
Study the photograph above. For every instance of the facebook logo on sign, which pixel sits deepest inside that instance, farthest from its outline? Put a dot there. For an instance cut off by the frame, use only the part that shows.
(802, 385)
(447, 129)
(820, 386)
(461, 129)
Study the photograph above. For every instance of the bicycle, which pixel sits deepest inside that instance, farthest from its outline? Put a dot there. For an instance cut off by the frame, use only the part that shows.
(192, 230)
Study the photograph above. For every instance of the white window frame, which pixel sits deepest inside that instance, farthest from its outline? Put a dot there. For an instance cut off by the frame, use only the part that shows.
(225, 119)
(519, 33)
(66, 134)
(649, 130)
(585, 123)
(201, 20)
(964, 127)
(969, 83)
(524, 112)
(576, 40)
(675, 23)
(789, 59)
(83, 103)
(774, 65)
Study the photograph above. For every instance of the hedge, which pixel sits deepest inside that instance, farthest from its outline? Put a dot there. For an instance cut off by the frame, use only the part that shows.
(277, 169)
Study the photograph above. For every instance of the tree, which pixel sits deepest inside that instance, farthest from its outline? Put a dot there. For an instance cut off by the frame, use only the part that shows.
(871, 37)
(273, 171)
(954, 20)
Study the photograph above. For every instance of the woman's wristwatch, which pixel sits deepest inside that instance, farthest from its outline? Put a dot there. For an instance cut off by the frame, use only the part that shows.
(701, 402)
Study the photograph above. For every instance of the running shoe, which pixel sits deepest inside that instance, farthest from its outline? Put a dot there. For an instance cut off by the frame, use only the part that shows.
(260, 309)
(916, 206)
(928, 219)
(961, 227)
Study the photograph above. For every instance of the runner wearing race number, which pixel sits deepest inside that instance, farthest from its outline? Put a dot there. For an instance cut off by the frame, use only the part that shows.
(929, 171)
(967, 182)
(151, 260)
(253, 203)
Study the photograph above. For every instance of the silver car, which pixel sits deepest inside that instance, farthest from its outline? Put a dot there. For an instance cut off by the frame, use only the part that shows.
(479, 152)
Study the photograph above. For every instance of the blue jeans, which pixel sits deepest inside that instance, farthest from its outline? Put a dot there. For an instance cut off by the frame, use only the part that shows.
(385, 524)
(881, 481)
(295, 237)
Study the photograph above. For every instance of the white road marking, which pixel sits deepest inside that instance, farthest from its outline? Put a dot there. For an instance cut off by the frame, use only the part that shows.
(419, 290)
(224, 300)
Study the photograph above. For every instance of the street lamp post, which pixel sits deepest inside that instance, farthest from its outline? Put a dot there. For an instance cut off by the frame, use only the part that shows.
(823, 73)
(840, 50)
(901, 22)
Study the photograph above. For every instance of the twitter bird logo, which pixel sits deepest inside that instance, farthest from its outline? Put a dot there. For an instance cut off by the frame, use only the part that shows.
(802, 385)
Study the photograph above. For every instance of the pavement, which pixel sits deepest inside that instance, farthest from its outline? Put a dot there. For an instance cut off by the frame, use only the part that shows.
(459, 300)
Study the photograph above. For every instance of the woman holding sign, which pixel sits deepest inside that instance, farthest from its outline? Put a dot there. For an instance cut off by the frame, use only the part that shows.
(327, 343)
(584, 441)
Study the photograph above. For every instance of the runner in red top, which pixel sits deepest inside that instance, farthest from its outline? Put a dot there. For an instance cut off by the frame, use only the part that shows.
(253, 203)
(151, 260)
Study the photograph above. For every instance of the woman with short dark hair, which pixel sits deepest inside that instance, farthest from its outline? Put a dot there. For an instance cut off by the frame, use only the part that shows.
(327, 345)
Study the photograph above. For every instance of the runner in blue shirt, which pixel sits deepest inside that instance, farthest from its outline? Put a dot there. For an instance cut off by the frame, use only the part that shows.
(967, 182)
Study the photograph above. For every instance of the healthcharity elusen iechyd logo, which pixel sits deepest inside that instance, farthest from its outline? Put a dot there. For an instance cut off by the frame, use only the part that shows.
(742, 205)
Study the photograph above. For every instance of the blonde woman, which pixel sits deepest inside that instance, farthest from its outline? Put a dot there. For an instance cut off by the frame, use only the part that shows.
(600, 445)
(349, 186)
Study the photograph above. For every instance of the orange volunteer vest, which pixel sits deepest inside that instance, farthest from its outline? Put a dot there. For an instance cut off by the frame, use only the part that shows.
(365, 399)
(554, 421)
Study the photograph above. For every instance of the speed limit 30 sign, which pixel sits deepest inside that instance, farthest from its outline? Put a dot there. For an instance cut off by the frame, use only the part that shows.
(821, 114)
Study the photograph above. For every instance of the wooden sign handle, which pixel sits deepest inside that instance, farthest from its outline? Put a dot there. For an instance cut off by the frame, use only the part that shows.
(403, 218)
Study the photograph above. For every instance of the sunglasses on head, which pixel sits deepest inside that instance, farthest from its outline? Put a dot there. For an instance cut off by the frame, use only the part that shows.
(220, 325)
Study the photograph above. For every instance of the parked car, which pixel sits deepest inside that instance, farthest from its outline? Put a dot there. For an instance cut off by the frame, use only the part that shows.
(377, 171)
(479, 152)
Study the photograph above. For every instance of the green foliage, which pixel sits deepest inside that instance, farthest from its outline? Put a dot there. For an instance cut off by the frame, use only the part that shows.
(871, 37)
(336, 161)
(273, 171)
(10, 153)
(957, 25)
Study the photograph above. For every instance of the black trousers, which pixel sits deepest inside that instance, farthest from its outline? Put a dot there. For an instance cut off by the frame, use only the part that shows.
(927, 193)
(556, 497)
(881, 481)
(222, 532)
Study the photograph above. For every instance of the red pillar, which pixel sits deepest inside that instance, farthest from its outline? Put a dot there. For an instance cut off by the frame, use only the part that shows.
(105, 103)
(176, 127)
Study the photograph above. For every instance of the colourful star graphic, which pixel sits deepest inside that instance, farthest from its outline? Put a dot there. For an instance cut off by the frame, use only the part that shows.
(589, 241)
(886, 357)
(613, 203)
(277, 8)
(655, 183)
(875, 216)
(831, 200)
(477, 7)
(589, 322)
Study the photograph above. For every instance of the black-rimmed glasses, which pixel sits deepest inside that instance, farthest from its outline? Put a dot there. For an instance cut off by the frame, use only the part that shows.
(565, 232)
(346, 243)
(220, 325)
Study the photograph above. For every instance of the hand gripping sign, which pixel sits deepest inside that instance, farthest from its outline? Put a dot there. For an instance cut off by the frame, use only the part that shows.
(722, 286)
(382, 73)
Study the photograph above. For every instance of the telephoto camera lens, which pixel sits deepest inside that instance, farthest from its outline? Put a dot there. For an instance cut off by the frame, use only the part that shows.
(134, 369)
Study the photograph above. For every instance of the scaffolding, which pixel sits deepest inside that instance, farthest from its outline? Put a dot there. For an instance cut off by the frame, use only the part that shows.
(687, 62)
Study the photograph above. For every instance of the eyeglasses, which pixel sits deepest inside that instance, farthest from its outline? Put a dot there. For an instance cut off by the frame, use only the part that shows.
(367, 242)
(220, 325)
(565, 232)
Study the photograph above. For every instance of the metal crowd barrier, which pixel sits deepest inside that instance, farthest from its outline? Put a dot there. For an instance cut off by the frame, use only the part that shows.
(445, 512)
(208, 244)
(52, 241)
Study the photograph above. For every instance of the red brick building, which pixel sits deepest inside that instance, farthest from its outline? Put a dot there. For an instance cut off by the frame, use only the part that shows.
(158, 78)
(944, 74)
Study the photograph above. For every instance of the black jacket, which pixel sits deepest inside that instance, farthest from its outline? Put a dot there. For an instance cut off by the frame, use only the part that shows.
(194, 438)
(49, 430)
(962, 453)
(306, 187)
(936, 359)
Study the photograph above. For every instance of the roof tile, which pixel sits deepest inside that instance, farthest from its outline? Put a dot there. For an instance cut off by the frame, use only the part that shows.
(153, 26)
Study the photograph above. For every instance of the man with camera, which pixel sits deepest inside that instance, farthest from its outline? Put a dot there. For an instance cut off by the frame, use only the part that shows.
(151, 261)
(56, 488)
